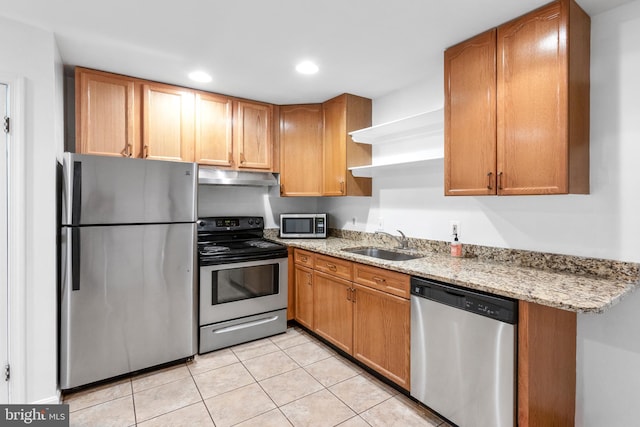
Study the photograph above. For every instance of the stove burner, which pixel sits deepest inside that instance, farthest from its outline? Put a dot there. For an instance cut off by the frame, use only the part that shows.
(262, 244)
(212, 249)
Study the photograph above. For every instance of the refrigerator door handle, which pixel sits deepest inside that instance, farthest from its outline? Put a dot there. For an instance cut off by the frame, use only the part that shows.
(76, 198)
(75, 258)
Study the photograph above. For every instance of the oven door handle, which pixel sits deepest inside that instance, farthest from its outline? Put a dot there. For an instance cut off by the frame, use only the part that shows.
(245, 325)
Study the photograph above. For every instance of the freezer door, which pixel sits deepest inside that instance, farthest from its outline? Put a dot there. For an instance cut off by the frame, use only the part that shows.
(132, 304)
(109, 190)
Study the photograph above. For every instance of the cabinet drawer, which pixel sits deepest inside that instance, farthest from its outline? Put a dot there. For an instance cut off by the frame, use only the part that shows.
(303, 257)
(334, 266)
(381, 279)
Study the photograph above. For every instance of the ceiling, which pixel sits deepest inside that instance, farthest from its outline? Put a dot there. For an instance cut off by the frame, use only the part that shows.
(250, 47)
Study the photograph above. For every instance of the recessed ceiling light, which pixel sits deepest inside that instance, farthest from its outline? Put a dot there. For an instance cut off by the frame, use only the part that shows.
(200, 76)
(307, 67)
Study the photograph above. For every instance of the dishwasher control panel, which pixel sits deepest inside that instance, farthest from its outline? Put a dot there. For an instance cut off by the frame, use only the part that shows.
(481, 303)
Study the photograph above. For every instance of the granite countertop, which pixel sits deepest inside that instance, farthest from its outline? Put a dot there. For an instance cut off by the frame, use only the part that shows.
(570, 291)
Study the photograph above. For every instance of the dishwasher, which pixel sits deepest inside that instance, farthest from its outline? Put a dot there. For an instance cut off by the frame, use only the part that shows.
(463, 353)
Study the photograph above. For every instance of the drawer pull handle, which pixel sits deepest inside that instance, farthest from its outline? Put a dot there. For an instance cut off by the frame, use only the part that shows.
(499, 180)
(489, 175)
(379, 279)
(332, 267)
(303, 258)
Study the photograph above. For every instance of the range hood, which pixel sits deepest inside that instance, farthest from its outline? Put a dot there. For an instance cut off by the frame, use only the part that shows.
(209, 175)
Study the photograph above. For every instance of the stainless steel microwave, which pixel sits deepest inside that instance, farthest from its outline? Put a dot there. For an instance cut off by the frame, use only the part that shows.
(303, 226)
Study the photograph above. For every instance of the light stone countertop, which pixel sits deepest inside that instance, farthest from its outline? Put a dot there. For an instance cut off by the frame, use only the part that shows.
(564, 290)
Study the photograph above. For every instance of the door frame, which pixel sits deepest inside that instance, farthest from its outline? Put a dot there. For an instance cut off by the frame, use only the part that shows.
(17, 237)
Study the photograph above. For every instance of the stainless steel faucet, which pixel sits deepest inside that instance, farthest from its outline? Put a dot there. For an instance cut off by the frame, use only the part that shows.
(403, 243)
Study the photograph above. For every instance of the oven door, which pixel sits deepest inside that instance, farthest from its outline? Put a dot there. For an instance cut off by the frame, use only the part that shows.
(230, 291)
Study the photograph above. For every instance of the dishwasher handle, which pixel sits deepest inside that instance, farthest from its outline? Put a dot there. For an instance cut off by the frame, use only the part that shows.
(481, 303)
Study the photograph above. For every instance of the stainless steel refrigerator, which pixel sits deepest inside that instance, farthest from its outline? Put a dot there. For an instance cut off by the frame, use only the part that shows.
(128, 266)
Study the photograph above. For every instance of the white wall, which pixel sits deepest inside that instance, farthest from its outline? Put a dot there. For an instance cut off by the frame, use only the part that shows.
(32, 54)
(222, 200)
(603, 224)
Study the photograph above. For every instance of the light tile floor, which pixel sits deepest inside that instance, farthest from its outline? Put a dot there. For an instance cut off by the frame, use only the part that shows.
(290, 379)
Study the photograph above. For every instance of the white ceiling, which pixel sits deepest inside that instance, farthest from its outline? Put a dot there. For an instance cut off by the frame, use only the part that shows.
(250, 47)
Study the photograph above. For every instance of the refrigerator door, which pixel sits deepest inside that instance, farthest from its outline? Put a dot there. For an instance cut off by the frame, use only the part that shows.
(101, 190)
(132, 303)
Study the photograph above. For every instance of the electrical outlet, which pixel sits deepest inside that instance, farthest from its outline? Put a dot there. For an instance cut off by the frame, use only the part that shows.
(454, 226)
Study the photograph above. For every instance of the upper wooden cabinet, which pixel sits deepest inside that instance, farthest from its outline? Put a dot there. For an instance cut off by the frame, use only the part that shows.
(124, 116)
(252, 135)
(343, 114)
(536, 138)
(106, 114)
(470, 116)
(301, 150)
(214, 122)
(167, 123)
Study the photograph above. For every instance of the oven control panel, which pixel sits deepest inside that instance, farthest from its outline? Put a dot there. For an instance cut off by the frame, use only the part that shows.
(236, 223)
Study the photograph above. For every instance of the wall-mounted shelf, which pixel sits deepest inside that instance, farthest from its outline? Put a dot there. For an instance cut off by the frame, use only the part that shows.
(423, 124)
(371, 170)
(417, 139)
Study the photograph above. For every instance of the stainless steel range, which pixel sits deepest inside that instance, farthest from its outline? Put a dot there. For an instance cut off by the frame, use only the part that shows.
(243, 282)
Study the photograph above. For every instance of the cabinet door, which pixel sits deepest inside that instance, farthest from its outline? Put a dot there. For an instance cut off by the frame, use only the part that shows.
(532, 106)
(252, 136)
(168, 123)
(381, 333)
(213, 130)
(470, 116)
(105, 114)
(301, 150)
(333, 310)
(335, 147)
(304, 296)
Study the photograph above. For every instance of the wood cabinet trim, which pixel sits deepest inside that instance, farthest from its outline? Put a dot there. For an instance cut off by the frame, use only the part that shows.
(546, 365)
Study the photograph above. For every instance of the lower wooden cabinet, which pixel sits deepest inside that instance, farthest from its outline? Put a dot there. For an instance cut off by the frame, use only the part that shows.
(304, 296)
(333, 310)
(381, 333)
(364, 320)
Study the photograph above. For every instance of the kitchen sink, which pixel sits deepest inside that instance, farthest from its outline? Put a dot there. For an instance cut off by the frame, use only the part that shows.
(382, 253)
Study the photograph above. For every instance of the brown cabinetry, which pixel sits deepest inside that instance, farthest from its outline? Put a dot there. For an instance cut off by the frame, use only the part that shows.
(342, 115)
(317, 136)
(546, 365)
(517, 106)
(167, 123)
(252, 135)
(106, 114)
(301, 150)
(381, 333)
(124, 116)
(333, 310)
(304, 296)
(362, 310)
(214, 122)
